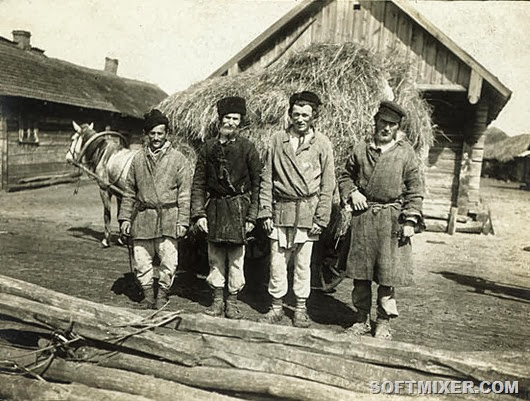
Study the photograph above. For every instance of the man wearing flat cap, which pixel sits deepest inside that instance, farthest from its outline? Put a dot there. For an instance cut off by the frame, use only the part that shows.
(224, 204)
(155, 208)
(382, 182)
(295, 202)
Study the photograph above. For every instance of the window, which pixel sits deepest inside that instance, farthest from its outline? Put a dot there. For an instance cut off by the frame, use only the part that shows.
(28, 131)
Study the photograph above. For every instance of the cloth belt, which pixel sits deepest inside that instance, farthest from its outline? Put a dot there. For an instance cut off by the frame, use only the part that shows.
(376, 207)
(298, 201)
(141, 206)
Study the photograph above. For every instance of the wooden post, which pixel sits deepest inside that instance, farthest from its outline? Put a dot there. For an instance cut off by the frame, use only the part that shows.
(472, 155)
(451, 226)
(3, 148)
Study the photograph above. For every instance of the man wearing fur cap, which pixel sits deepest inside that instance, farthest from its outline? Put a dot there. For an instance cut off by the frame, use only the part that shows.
(224, 204)
(295, 202)
(155, 208)
(382, 182)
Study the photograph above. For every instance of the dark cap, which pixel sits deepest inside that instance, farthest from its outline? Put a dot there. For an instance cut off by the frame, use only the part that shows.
(231, 104)
(304, 96)
(154, 118)
(391, 111)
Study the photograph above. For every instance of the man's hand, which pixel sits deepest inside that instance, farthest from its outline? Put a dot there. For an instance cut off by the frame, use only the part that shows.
(358, 201)
(315, 230)
(125, 228)
(181, 231)
(408, 229)
(268, 225)
(202, 223)
(249, 226)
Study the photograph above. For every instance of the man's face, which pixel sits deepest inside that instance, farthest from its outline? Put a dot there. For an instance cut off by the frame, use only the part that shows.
(385, 131)
(230, 123)
(302, 118)
(157, 137)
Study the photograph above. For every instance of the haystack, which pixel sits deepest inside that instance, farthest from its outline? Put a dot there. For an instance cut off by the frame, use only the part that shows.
(349, 79)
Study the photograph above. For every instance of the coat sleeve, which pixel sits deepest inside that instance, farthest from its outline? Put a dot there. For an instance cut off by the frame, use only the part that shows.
(129, 195)
(184, 191)
(254, 168)
(327, 186)
(414, 190)
(198, 188)
(265, 192)
(346, 179)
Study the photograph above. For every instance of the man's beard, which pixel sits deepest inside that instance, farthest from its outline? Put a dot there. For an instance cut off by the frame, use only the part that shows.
(228, 132)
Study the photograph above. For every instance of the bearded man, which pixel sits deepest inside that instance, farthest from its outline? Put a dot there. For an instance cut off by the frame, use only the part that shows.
(155, 209)
(383, 183)
(224, 204)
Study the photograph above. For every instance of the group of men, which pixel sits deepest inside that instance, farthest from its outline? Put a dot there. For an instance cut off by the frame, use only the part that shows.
(290, 194)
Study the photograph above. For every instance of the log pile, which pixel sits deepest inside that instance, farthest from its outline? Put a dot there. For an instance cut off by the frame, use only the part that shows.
(81, 350)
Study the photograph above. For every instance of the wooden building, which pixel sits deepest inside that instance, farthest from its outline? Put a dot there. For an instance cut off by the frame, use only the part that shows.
(464, 95)
(39, 98)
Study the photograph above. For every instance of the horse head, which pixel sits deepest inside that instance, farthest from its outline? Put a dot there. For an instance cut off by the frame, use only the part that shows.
(79, 138)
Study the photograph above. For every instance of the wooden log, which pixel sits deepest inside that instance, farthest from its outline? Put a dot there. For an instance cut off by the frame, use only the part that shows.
(17, 388)
(318, 355)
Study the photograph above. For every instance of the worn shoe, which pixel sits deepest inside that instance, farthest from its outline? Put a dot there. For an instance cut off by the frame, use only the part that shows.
(274, 315)
(301, 319)
(360, 328)
(232, 310)
(149, 301)
(217, 308)
(162, 299)
(382, 329)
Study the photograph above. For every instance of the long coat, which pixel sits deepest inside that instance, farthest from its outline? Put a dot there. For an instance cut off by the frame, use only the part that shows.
(393, 185)
(225, 188)
(157, 194)
(297, 187)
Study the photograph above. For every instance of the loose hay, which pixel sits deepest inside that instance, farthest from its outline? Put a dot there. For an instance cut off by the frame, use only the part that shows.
(349, 79)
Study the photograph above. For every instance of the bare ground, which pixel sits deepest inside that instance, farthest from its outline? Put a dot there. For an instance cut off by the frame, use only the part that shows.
(472, 292)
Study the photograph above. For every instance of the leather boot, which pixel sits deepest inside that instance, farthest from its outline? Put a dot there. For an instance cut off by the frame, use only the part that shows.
(162, 298)
(149, 300)
(217, 308)
(232, 309)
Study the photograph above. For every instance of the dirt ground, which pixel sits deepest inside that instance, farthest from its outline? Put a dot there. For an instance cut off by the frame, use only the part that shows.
(472, 292)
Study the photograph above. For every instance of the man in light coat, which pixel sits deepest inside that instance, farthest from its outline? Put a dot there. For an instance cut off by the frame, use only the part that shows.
(295, 203)
(156, 208)
(383, 184)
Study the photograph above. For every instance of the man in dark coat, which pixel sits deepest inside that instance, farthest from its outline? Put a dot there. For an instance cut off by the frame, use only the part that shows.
(295, 202)
(224, 203)
(156, 208)
(383, 184)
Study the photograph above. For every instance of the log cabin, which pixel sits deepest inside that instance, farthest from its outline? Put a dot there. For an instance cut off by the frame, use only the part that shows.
(465, 97)
(39, 98)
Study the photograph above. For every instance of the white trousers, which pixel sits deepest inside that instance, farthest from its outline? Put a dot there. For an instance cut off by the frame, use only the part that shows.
(280, 257)
(223, 260)
(145, 250)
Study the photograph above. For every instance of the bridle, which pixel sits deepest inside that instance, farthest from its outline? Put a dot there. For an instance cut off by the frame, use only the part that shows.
(90, 141)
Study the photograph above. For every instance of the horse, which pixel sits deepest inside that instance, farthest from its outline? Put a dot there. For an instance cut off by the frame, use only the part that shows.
(107, 160)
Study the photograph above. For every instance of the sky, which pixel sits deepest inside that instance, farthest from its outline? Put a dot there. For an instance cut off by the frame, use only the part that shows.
(174, 43)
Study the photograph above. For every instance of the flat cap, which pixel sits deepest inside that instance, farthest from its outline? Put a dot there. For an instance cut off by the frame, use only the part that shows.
(305, 96)
(391, 111)
(153, 118)
(231, 104)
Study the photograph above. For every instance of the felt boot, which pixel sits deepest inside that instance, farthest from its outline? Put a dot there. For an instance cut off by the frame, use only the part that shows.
(149, 301)
(232, 308)
(275, 313)
(217, 308)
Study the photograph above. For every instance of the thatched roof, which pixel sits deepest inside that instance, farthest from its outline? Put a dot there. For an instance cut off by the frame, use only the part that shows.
(494, 134)
(30, 74)
(507, 149)
(349, 79)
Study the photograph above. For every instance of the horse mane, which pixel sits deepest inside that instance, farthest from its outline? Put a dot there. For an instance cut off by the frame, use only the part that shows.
(100, 149)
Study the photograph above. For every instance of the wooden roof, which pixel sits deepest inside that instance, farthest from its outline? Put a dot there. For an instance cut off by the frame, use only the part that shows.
(471, 77)
(30, 74)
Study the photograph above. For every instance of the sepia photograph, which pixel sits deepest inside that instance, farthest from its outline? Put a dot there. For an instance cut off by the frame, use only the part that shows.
(264, 200)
